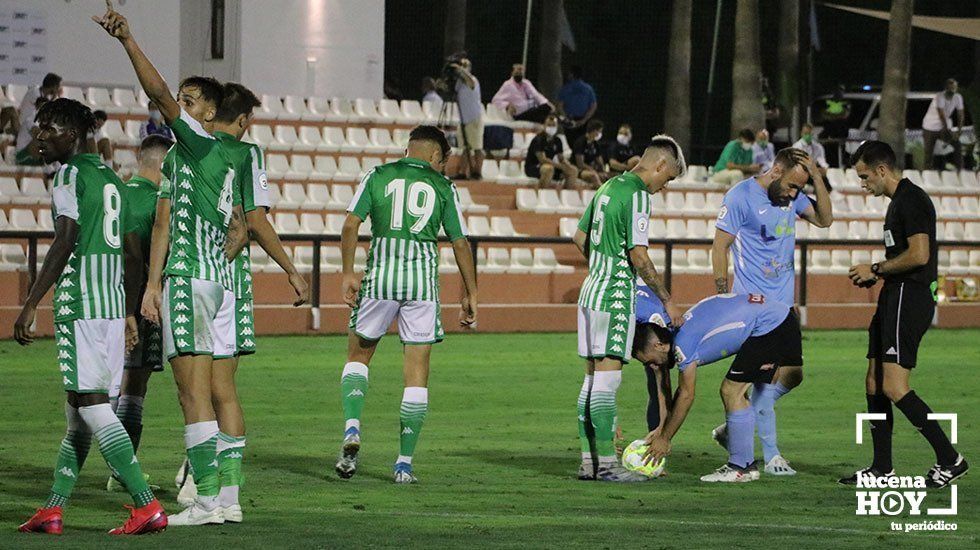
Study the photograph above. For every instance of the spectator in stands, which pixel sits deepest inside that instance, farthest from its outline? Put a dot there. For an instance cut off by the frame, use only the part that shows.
(470, 120)
(521, 99)
(938, 124)
(809, 144)
(735, 162)
(50, 89)
(429, 92)
(590, 155)
(577, 101)
(763, 153)
(834, 116)
(546, 160)
(622, 155)
(97, 140)
(155, 124)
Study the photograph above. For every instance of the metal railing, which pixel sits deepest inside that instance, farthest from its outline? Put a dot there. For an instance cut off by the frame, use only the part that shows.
(32, 238)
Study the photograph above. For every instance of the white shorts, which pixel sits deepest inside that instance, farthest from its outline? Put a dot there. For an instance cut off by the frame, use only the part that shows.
(418, 322)
(603, 334)
(90, 354)
(198, 318)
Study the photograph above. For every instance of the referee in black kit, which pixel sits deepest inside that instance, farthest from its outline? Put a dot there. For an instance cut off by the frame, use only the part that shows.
(906, 305)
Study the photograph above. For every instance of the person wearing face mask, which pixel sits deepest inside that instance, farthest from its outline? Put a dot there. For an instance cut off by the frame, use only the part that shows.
(576, 99)
(622, 155)
(155, 124)
(590, 155)
(546, 160)
(760, 213)
(808, 144)
(520, 99)
(937, 125)
(735, 161)
(763, 152)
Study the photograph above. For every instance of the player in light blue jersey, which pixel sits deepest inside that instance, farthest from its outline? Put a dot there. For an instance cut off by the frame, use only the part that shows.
(757, 221)
(763, 335)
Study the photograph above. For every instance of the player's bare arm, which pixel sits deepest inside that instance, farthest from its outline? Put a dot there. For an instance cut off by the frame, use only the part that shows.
(719, 259)
(159, 245)
(823, 214)
(659, 443)
(153, 84)
(351, 284)
(237, 237)
(265, 235)
(132, 281)
(467, 269)
(579, 239)
(916, 255)
(65, 235)
(648, 272)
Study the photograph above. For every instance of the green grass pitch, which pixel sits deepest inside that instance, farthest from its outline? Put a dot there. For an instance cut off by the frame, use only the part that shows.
(498, 454)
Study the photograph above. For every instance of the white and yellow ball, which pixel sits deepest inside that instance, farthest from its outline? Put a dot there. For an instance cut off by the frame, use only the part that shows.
(633, 460)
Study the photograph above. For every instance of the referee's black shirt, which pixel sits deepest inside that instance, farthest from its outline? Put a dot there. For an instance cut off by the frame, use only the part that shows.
(911, 212)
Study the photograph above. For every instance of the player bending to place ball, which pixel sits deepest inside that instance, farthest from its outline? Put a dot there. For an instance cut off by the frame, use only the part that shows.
(763, 334)
(407, 202)
(612, 234)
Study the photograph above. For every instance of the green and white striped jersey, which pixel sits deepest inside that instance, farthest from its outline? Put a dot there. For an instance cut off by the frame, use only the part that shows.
(199, 179)
(91, 286)
(407, 201)
(614, 222)
(253, 184)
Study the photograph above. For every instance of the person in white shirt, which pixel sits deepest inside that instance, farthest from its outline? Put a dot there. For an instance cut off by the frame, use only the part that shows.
(50, 89)
(809, 144)
(763, 152)
(938, 123)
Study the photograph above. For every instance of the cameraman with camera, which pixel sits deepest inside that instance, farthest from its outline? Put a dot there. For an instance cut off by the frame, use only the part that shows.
(466, 89)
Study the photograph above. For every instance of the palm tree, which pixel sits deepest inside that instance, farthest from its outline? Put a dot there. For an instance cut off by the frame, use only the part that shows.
(549, 48)
(789, 64)
(891, 121)
(747, 111)
(455, 27)
(677, 120)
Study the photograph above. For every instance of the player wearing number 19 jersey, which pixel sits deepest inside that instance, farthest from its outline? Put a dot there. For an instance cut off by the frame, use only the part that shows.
(407, 201)
(86, 259)
(612, 234)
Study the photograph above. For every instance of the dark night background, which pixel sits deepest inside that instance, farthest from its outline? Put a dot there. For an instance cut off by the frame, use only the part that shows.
(622, 45)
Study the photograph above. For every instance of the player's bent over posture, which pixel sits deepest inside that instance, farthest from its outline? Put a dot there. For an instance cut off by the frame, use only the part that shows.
(407, 202)
(90, 305)
(763, 334)
(199, 226)
(905, 309)
(612, 235)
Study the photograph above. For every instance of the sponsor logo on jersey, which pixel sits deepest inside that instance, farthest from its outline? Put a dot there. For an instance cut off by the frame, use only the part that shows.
(244, 307)
(183, 214)
(64, 329)
(64, 342)
(66, 282)
(622, 275)
(243, 321)
(182, 226)
(182, 241)
(65, 380)
(180, 265)
(186, 185)
(181, 253)
(179, 282)
(186, 170)
(622, 263)
(64, 367)
(182, 343)
(69, 269)
(620, 284)
(184, 199)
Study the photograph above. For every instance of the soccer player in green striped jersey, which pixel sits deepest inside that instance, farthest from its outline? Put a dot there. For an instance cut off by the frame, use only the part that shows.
(144, 342)
(199, 228)
(90, 305)
(612, 234)
(407, 201)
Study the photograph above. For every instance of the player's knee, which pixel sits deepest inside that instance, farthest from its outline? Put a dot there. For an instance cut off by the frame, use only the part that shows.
(895, 391)
(547, 171)
(791, 377)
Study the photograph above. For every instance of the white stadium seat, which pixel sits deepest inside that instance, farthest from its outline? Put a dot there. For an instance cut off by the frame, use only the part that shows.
(912, 175)
(334, 223)
(368, 164)
(342, 195)
(478, 226)
(856, 205)
(968, 179)
(12, 258)
(287, 222)
(356, 140)
(367, 110)
(489, 170)
(300, 168)
(498, 260)
(293, 195)
(271, 107)
(951, 179)
(275, 195)
(389, 112)
(317, 109)
(311, 223)
(567, 227)
(23, 219)
(412, 112)
(544, 259)
(400, 137)
(970, 206)
(657, 228)
(330, 261)
(324, 168)
(132, 128)
(950, 207)
(99, 98)
(548, 202)
(467, 203)
(959, 261)
(44, 221)
(333, 139)
(3, 219)
(676, 229)
(293, 108)
(675, 203)
(876, 230)
(276, 166)
(857, 230)
(285, 138)
(840, 261)
(527, 200)
(955, 231)
(571, 202)
(348, 169)
(34, 191)
(697, 260)
(522, 261)
(931, 179)
(341, 110)
(318, 195)
(503, 226)
(819, 261)
(697, 229)
(261, 135)
(9, 192)
(309, 140)
(381, 141)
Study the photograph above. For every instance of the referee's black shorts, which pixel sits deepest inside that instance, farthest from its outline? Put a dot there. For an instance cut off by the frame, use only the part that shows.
(904, 313)
(782, 347)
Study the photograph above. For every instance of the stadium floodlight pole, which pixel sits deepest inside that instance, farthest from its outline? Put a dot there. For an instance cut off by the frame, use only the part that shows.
(711, 76)
(527, 32)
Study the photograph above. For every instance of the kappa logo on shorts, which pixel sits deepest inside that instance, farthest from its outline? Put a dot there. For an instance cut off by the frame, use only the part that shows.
(617, 305)
(182, 226)
(64, 367)
(617, 338)
(182, 241)
(180, 295)
(619, 328)
(186, 170)
(617, 349)
(183, 214)
(183, 343)
(181, 319)
(620, 317)
(618, 295)
(620, 284)
(64, 297)
(244, 308)
(622, 263)
(181, 331)
(247, 331)
(179, 282)
(243, 321)
(65, 310)
(181, 253)
(181, 307)
(248, 343)
(64, 342)
(186, 185)
(67, 283)
(66, 381)
(184, 199)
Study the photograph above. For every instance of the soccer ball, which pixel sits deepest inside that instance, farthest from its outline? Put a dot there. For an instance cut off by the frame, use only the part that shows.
(633, 460)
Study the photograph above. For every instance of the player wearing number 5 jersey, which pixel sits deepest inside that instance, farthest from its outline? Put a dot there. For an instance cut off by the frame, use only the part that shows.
(612, 235)
(86, 259)
(198, 227)
(407, 201)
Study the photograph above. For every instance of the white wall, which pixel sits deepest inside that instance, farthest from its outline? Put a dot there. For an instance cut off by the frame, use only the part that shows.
(345, 37)
(80, 51)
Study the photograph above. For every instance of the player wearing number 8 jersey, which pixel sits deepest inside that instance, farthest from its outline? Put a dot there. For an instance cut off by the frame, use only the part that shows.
(612, 235)
(407, 201)
(198, 228)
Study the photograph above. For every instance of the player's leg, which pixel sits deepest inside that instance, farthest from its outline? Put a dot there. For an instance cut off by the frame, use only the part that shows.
(547, 172)
(740, 425)
(230, 447)
(129, 409)
(570, 172)
(788, 339)
(586, 432)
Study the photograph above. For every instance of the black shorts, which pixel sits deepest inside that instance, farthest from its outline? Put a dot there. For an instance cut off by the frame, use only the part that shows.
(148, 353)
(904, 313)
(783, 346)
(535, 172)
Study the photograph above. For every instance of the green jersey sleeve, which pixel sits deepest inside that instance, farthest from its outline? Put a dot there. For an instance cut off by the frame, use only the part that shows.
(586, 220)
(360, 205)
(254, 181)
(638, 220)
(191, 136)
(65, 192)
(167, 175)
(452, 217)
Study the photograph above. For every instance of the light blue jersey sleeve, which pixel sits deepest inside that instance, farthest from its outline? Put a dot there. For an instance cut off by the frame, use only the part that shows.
(649, 308)
(801, 203)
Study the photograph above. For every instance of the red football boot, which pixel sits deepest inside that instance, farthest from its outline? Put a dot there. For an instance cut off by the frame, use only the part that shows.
(146, 519)
(45, 520)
